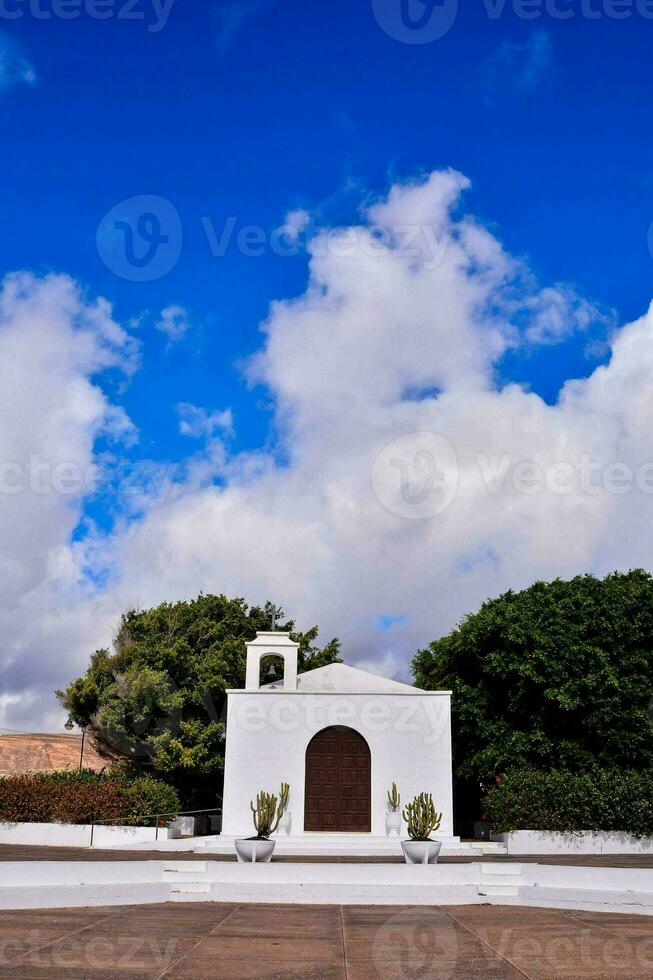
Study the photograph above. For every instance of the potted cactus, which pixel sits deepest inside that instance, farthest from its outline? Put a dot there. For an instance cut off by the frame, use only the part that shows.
(393, 816)
(286, 815)
(266, 816)
(422, 820)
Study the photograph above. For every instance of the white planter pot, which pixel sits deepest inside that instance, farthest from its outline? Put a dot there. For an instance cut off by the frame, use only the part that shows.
(284, 824)
(421, 851)
(393, 824)
(259, 851)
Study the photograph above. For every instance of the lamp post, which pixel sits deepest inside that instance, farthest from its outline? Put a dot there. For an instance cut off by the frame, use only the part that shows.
(70, 724)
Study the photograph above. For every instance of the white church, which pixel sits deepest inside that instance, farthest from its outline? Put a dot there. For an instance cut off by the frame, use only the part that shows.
(340, 737)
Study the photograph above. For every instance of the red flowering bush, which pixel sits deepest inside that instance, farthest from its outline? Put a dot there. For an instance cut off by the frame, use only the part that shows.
(82, 797)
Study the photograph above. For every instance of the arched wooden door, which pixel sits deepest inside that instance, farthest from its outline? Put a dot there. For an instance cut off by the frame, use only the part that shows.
(338, 781)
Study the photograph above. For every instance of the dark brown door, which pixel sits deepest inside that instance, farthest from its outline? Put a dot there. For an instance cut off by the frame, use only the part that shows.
(338, 781)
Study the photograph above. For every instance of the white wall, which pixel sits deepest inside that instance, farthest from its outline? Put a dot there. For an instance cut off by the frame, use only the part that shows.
(268, 732)
(78, 835)
(528, 842)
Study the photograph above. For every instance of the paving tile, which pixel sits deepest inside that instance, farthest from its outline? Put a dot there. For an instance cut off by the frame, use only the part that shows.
(355, 918)
(495, 970)
(298, 950)
(499, 913)
(572, 970)
(301, 922)
(415, 949)
(604, 917)
(173, 928)
(199, 968)
(51, 919)
(280, 930)
(49, 973)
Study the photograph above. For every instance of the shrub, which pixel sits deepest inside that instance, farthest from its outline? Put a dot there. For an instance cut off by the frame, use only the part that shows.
(598, 799)
(149, 795)
(79, 797)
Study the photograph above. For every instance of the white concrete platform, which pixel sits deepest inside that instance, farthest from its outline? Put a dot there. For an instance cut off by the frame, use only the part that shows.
(348, 845)
(537, 842)
(57, 884)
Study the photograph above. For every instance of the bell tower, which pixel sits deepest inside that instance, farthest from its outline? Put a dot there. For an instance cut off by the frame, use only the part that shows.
(274, 644)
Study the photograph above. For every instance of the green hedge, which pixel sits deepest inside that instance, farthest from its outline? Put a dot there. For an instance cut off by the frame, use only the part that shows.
(80, 797)
(598, 799)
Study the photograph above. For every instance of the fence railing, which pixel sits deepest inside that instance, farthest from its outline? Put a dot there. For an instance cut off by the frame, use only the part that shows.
(157, 817)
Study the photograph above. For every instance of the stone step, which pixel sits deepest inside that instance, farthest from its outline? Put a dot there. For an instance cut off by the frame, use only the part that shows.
(191, 888)
(184, 867)
(502, 870)
(498, 890)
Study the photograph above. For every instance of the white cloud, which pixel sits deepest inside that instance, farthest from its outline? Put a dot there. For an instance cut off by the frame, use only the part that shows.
(15, 69)
(202, 424)
(174, 323)
(295, 223)
(558, 311)
(55, 347)
(303, 524)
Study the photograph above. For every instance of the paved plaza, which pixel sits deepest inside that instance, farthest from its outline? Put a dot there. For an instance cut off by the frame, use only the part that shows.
(197, 940)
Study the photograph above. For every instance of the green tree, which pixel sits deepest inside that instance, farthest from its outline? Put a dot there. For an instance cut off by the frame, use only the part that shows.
(555, 677)
(156, 703)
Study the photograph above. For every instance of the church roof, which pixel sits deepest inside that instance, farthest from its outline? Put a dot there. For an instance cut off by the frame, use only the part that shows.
(343, 679)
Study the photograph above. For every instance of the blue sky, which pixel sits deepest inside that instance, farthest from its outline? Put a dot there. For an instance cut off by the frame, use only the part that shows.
(251, 109)
(243, 112)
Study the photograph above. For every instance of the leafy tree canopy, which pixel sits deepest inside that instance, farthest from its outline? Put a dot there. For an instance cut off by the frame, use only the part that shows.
(157, 701)
(556, 676)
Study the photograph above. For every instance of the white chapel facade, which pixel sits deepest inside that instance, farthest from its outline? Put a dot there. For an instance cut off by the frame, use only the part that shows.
(340, 737)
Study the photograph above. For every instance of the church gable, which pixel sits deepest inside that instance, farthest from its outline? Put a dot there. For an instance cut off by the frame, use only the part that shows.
(344, 679)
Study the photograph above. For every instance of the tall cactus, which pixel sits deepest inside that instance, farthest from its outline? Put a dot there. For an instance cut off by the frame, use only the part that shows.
(394, 798)
(284, 793)
(265, 814)
(421, 817)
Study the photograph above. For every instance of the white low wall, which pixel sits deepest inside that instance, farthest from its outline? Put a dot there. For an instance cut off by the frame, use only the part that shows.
(64, 884)
(79, 835)
(528, 842)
